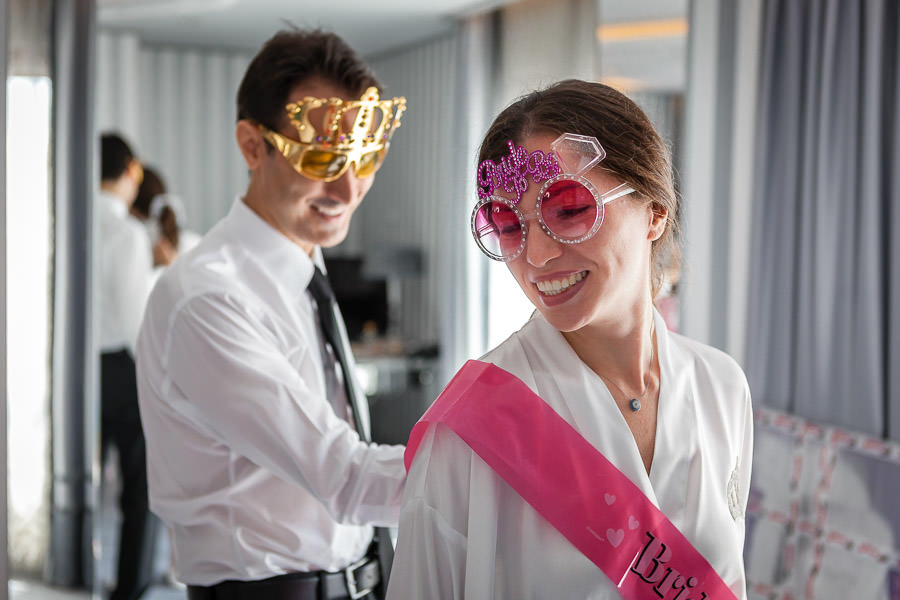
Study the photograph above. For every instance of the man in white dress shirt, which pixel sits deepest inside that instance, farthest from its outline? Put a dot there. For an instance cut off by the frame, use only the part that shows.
(126, 276)
(254, 464)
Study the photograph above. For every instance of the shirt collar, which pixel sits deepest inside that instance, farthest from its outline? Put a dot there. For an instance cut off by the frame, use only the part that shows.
(113, 204)
(286, 261)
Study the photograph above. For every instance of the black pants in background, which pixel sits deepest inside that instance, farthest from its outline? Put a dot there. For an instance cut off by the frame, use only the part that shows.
(121, 427)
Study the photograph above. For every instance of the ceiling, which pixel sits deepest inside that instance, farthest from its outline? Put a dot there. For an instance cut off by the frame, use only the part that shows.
(372, 27)
(649, 55)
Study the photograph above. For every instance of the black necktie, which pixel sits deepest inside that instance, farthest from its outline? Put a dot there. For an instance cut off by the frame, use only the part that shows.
(328, 318)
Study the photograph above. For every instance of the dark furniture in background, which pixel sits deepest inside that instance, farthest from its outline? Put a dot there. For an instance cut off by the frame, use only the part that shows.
(398, 375)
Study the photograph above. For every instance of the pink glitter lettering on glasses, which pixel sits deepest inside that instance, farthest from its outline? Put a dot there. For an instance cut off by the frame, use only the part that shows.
(512, 173)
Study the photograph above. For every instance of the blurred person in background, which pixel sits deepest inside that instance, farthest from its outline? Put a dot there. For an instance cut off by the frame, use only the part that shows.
(164, 215)
(126, 277)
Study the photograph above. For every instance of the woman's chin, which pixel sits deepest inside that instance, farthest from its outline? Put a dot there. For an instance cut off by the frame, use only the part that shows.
(562, 318)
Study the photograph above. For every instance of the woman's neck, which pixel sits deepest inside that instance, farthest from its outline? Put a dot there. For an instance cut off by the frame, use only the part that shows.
(620, 351)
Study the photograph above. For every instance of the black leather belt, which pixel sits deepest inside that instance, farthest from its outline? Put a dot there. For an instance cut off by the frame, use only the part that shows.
(356, 581)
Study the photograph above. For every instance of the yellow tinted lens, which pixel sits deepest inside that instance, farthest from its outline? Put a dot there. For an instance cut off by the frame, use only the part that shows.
(322, 163)
(368, 163)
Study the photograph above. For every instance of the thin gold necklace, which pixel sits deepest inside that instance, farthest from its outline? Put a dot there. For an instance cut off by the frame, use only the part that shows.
(635, 403)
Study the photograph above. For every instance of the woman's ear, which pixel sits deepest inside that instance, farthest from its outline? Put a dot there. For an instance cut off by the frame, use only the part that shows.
(250, 142)
(659, 216)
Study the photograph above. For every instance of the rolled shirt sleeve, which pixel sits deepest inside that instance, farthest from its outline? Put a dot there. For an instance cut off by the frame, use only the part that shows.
(232, 369)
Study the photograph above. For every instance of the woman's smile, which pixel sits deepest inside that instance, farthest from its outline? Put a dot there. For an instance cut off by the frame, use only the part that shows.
(557, 289)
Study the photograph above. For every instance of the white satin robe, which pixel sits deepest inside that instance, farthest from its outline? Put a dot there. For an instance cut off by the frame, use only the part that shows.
(465, 533)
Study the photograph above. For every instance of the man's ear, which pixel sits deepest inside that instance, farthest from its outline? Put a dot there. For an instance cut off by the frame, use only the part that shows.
(659, 215)
(135, 171)
(251, 143)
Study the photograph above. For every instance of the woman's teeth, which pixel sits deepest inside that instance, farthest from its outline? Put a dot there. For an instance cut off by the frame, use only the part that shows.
(551, 287)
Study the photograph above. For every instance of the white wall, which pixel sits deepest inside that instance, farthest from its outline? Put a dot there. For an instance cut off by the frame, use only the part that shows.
(423, 194)
(176, 106)
(405, 205)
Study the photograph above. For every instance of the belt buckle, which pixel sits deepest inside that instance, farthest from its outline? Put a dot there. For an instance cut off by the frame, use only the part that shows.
(350, 578)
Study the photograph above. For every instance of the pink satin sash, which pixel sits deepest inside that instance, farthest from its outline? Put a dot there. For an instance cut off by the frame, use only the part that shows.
(571, 484)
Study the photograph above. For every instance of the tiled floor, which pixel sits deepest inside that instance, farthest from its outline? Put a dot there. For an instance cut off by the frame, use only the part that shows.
(31, 590)
(21, 589)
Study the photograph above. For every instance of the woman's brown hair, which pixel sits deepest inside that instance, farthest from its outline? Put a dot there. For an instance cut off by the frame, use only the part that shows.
(151, 187)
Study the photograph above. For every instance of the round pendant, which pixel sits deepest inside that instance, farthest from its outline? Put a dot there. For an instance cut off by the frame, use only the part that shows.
(635, 404)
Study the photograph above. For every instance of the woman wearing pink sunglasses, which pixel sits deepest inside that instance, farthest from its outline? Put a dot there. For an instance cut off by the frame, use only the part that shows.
(593, 454)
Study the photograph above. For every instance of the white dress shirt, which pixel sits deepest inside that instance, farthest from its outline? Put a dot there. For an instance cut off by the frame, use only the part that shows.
(187, 240)
(248, 464)
(126, 274)
(465, 533)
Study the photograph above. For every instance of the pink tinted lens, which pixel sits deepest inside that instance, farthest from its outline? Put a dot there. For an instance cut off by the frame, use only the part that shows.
(569, 209)
(497, 229)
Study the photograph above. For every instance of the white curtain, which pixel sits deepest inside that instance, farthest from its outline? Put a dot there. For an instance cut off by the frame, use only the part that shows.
(25, 283)
(403, 209)
(422, 195)
(176, 106)
(825, 341)
(716, 171)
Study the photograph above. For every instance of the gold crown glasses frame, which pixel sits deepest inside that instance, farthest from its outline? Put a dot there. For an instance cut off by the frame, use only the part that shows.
(326, 153)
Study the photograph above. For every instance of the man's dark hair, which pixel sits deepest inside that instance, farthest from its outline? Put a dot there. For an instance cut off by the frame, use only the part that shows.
(115, 156)
(293, 57)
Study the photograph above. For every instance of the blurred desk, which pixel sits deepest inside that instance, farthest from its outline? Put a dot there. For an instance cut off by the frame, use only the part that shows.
(400, 385)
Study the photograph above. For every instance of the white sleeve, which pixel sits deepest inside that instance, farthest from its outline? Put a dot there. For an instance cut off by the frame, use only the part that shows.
(133, 281)
(430, 558)
(432, 543)
(744, 471)
(234, 373)
(746, 465)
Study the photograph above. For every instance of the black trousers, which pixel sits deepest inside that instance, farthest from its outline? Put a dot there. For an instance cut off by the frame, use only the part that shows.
(121, 427)
(318, 585)
(293, 586)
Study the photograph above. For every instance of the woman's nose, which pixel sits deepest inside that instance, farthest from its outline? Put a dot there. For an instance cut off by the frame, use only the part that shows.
(540, 248)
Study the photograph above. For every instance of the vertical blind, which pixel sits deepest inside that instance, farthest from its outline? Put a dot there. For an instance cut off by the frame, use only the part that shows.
(824, 273)
(405, 207)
